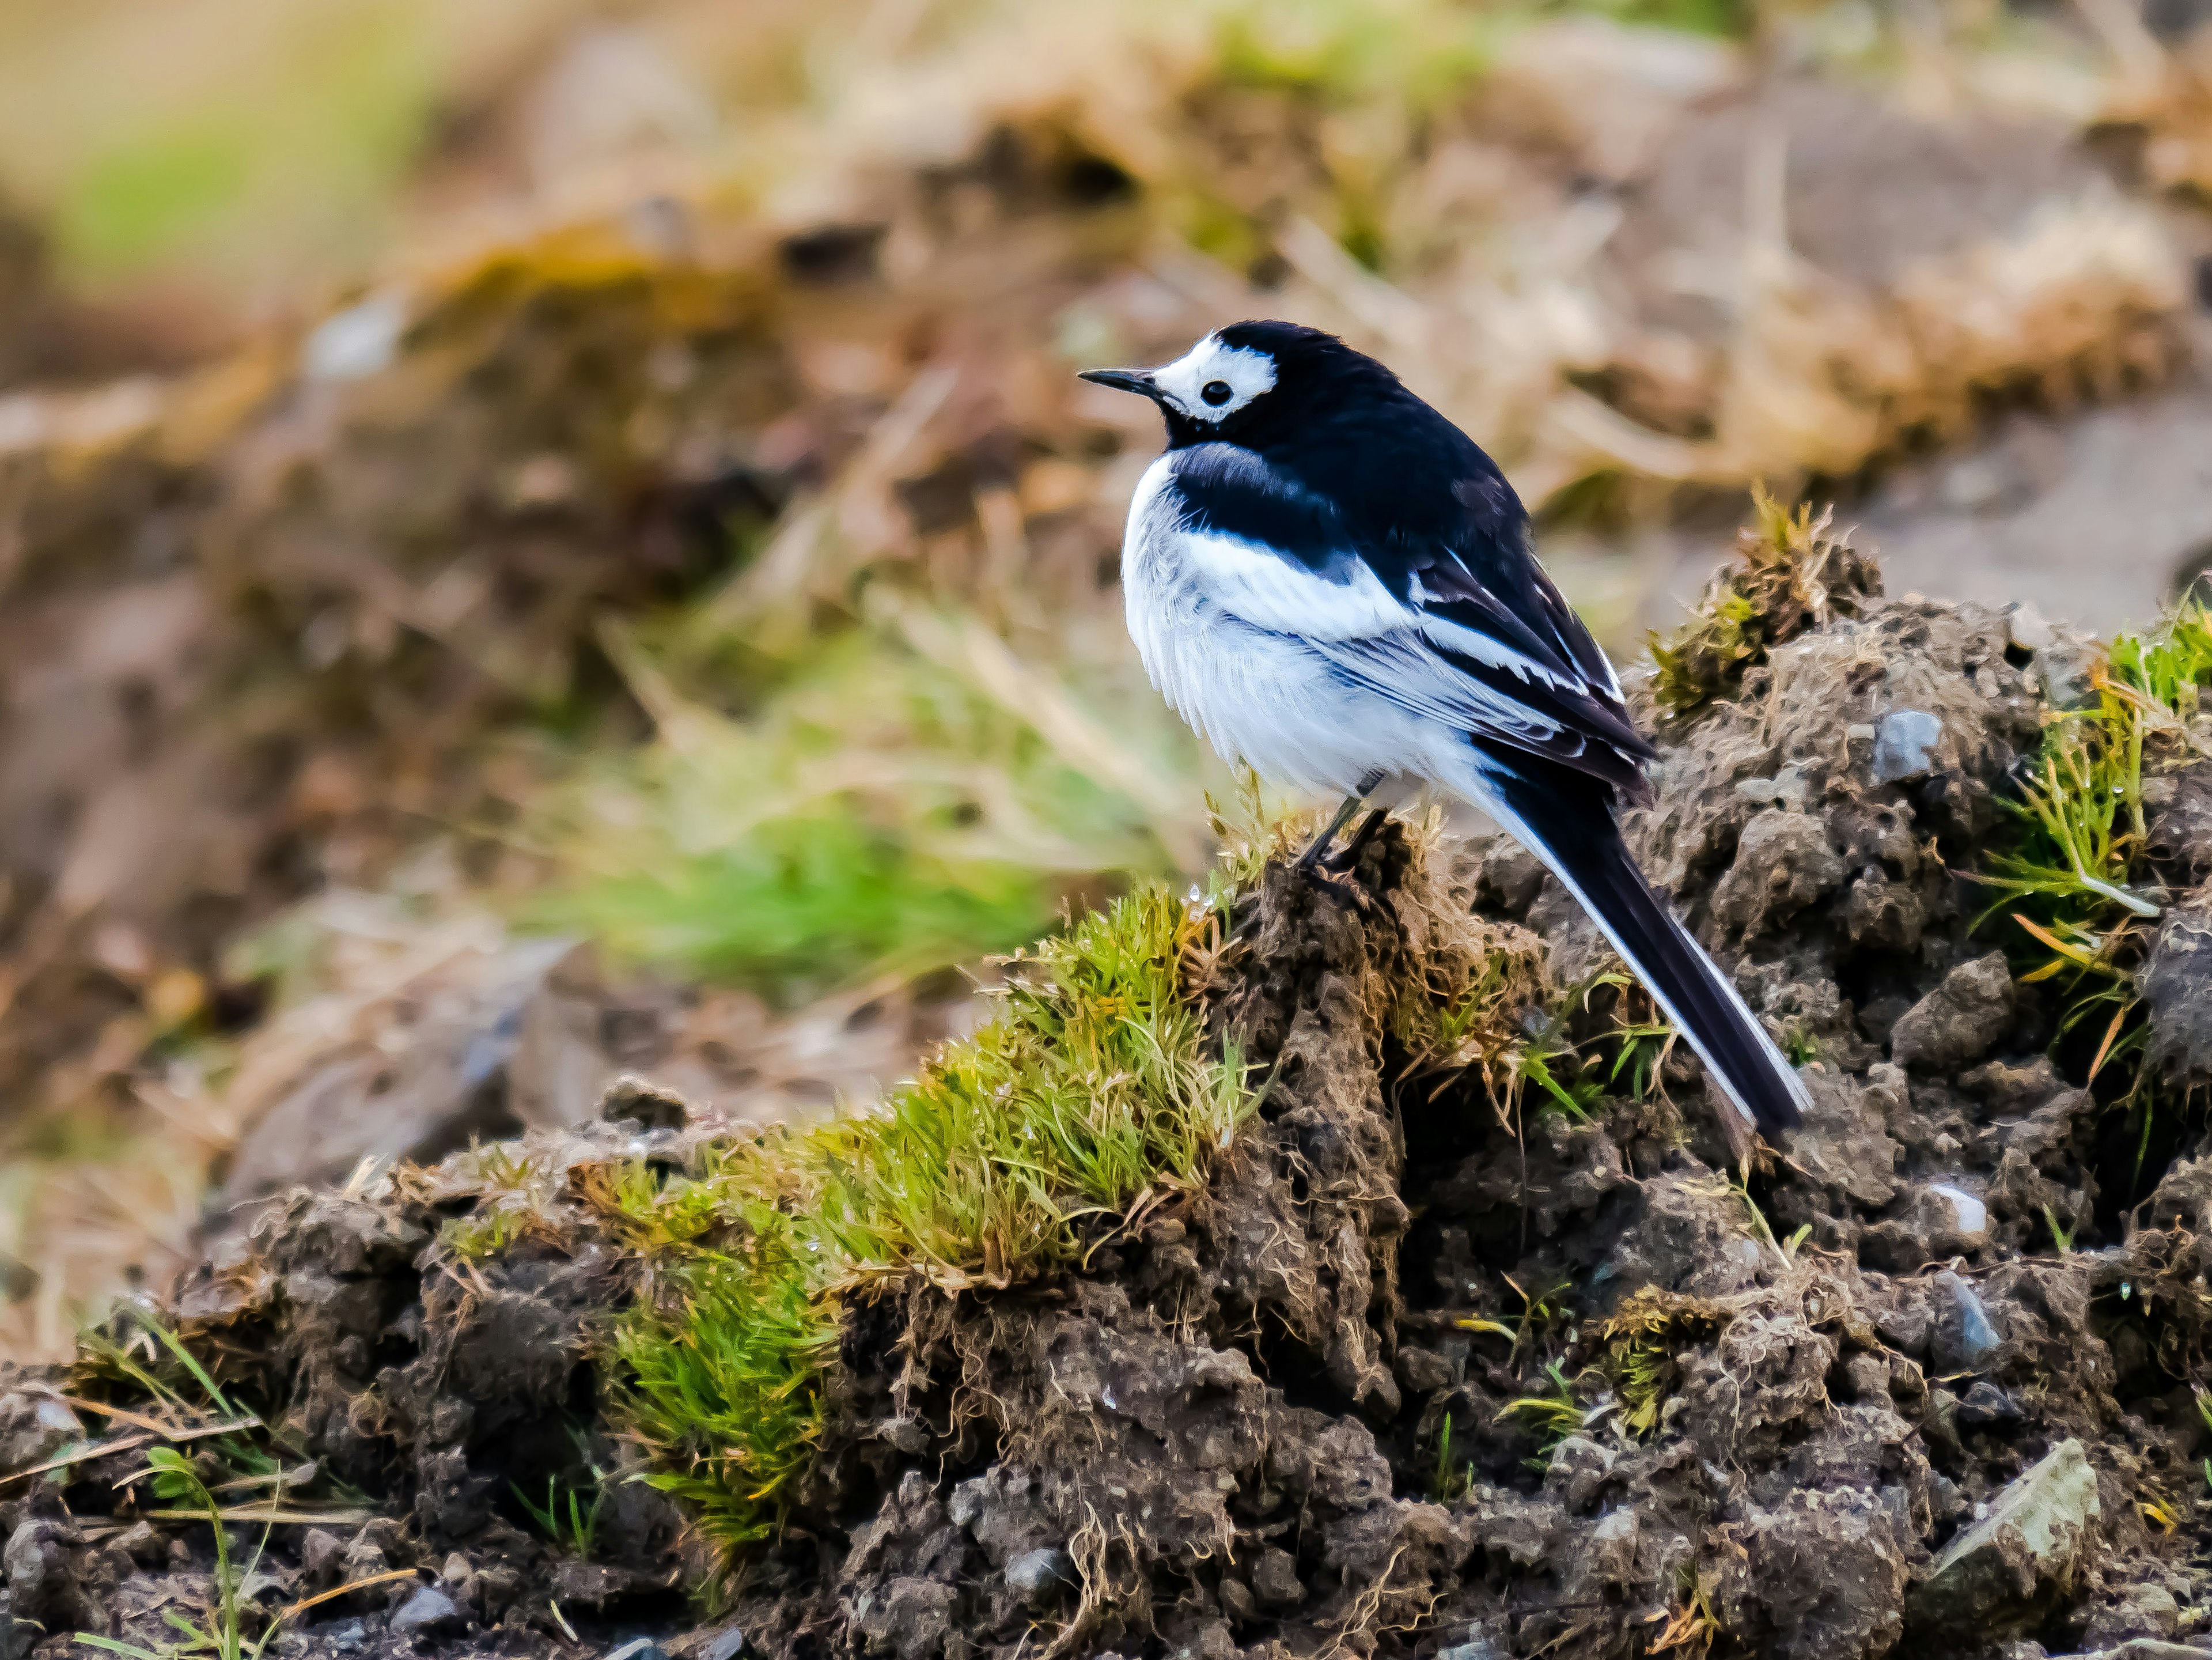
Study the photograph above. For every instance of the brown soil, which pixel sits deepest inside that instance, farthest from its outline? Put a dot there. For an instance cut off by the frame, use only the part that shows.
(1222, 1435)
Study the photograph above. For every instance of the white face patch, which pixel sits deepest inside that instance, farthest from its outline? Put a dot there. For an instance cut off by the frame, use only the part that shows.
(1234, 374)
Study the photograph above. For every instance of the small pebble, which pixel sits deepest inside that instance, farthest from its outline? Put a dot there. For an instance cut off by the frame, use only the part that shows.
(429, 1610)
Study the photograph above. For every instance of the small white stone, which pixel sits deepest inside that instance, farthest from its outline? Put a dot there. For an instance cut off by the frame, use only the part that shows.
(1969, 1215)
(357, 341)
(2025, 627)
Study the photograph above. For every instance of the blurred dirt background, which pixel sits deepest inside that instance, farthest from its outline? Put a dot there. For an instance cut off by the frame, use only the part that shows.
(541, 541)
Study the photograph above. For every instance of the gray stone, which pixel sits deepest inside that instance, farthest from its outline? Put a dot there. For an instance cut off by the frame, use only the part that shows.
(41, 1580)
(1901, 743)
(2001, 1574)
(1986, 1406)
(2140, 1613)
(722, 1645)
(638, 1648)
(1843, 1144)
(2176, 982)
(429, 1611)
(1423, 1371)
(1275, 1582)
(908, 1435)
(635, 1100)
(1936, 1221)
(1783, 863)
(33, 1427)
(1040, 1575)
(321, 1557)
(1958, 1020)
(1961, 1337)
(143, 1543)
(1577, 1471)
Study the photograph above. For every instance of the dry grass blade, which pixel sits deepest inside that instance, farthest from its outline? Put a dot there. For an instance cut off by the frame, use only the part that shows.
(292, 1610)
(81, 1455)
(336, 1516)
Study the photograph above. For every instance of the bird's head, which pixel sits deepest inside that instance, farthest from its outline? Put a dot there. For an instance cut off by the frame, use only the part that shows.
(1244, 383)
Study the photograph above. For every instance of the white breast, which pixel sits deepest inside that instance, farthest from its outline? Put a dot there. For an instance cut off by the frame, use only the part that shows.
(1199, 610)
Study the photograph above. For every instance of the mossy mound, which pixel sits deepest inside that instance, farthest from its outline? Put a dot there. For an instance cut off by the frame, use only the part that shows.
(1339, 1263)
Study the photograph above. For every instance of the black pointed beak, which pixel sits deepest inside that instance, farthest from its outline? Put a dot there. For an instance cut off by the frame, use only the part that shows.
(1136, 380)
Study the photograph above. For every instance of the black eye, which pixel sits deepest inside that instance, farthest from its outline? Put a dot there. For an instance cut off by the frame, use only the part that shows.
(1216, 393)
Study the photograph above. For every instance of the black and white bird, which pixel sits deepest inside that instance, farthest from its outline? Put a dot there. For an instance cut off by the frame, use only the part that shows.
(1334, 585)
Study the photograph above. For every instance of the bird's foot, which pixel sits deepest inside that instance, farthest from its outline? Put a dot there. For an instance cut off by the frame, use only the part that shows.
(1347, 859)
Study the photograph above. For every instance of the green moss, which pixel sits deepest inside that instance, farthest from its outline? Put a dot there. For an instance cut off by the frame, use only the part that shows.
(722, 1367)
(1790, 575)
(1093, 1091)
(1643, 1340)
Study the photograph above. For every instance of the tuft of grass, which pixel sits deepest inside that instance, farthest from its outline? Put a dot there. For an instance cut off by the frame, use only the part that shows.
(1449, 1484)
(568, 1518)
(1538, 1314)
(1554, 1415)
(222, 1634)
(1692, 1627)
(2061, 1237)
(2066, 882)
(1790, 574)
(1510, 1027)
(2080, 804)
(1642, 1338)
(138, 1352)
(1090, 1096)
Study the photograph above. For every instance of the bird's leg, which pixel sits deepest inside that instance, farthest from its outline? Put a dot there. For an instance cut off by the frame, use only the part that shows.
(1320, 844)
(1360, 838)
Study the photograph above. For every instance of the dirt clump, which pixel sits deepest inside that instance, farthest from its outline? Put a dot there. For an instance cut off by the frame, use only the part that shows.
(1475, 1339)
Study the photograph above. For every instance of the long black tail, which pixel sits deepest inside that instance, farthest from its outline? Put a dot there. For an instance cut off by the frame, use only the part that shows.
(1566, 820)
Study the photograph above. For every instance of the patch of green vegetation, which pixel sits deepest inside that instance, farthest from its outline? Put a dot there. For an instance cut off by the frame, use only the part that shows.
(820, 895)
(875, 814)
(153, 1363)
(137, 201)
(1417, 54)
(1092, 1094)
(1539, 1314)
(1728, 19)
(1527, 1040)
(488, 1231)
(1643, 1339)
(1554, 1415)
(570, 1515)
(297, 155)
(222, 1634)
(1790, 575)
(2064, 882)
(1450, 1482)
(1692, 1627)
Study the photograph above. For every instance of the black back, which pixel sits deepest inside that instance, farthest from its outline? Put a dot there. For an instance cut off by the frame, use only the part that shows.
(1412, 494)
